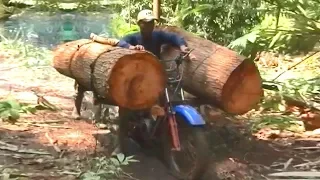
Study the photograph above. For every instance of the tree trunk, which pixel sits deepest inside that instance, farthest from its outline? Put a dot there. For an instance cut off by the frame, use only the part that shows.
(218, 75)
(128, 78)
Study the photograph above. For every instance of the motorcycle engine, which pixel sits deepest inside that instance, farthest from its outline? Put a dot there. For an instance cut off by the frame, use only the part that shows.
(143, 130)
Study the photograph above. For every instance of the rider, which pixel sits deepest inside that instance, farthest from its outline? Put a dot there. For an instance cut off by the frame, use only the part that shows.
(150, 39)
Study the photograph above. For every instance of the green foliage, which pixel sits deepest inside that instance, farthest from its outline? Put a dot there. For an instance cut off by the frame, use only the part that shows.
(120, 28)
(104, 168)
(287, 98)
(288, 27)
(56, 5)
(10, 109)
(221, 21)
(5, 11)
(301, 90)
(26, 53)
(276, 122)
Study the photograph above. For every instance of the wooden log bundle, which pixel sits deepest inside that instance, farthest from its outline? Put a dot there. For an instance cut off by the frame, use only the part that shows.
(127, 78)
(218, 75)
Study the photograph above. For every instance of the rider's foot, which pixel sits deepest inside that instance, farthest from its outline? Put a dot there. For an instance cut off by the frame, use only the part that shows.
(75, 115)
(131, 148)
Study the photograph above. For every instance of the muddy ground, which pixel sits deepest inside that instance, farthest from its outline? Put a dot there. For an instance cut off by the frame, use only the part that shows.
(51, 145)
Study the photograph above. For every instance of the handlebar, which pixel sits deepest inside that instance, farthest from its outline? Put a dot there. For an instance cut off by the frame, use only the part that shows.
(182, 56)
(178, 60)
(174, 71)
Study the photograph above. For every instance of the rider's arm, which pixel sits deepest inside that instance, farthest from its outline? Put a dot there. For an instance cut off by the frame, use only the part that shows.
(127, 41)
(171, 38)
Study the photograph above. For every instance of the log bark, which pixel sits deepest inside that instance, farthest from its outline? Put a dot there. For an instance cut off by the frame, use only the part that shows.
(63, 54)
(128, 78)
(218, 75)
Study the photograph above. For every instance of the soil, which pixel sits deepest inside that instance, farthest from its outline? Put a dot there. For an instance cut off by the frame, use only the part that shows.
(51, 145)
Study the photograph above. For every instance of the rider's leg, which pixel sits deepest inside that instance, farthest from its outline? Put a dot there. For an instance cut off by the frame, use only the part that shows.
(97, 109)
(124, 117)
(78, 101)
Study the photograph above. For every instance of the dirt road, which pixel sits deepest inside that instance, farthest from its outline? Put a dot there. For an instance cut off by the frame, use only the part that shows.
(50, 145)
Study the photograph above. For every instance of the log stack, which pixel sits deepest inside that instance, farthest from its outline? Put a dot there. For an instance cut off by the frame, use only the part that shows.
(218, 75)
(127, 78)
(134, 79)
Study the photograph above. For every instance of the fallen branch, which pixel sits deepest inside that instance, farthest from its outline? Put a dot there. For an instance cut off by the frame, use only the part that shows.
(44, 102)
(304, 174)
(53, 143)
(10, 147)
(44, 125)
(312, 163)
(300, 103)
(19, 156)
(296, 64)
(104, 40)
(307, 148)
(287, 164)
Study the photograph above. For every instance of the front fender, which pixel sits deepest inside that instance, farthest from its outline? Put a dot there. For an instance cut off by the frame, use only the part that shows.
(189, 114)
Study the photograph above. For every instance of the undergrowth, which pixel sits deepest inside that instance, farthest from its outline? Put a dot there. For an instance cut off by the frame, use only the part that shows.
(300, 85)
(17, 51)
(11, 109)
(108, 168)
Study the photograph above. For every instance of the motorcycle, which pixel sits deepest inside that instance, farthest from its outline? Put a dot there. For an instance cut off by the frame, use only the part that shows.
(179, 131)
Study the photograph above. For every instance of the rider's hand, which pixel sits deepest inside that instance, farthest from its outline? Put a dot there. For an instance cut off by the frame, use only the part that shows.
(132, 47)
(139, 47)
(185, 49)
(192, 57)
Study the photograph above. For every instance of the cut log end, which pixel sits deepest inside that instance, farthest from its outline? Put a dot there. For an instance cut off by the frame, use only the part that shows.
(243, 89)
(137, 80)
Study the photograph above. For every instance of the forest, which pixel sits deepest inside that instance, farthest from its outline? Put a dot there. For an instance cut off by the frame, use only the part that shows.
(276, 139)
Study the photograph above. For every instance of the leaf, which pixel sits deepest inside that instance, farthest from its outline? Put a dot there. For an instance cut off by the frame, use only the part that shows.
(281, 107)
(31, 109)
(130, 159)
(14, 104)
(302, 10)
(90, 176)
(252, 37)
(125, 163)
(14, 114)
(5, 114)
(121, 157)
(115, 161)
(4, 105)
(275, 39)
(6, 176)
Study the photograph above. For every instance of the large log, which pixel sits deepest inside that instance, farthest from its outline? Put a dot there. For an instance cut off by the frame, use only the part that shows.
(218, 75)
(63, 54)
(128, 78)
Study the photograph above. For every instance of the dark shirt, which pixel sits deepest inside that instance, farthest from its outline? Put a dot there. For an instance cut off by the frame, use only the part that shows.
(158, 39)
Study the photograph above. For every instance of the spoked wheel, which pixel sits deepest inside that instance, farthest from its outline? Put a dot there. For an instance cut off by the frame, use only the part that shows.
(190, 162)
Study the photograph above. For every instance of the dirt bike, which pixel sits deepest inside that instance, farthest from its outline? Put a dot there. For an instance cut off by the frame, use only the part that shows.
(180, 132)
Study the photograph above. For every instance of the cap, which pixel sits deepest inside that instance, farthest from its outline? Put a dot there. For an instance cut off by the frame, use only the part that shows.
(146, 15)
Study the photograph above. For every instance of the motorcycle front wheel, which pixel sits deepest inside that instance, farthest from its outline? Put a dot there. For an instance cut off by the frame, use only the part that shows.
(191, 162)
